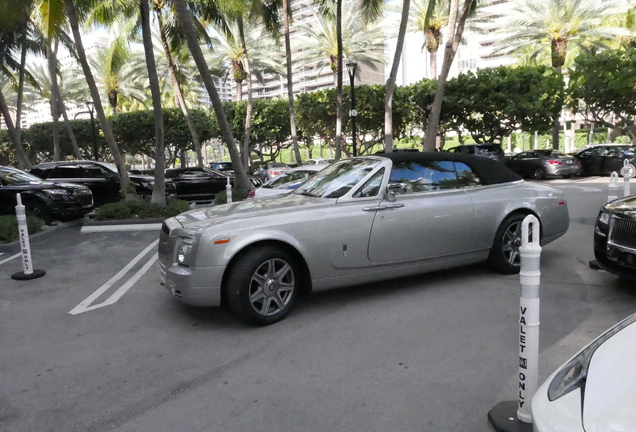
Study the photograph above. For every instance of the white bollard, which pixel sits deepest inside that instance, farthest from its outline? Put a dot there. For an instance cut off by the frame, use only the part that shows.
(530, 277)
(613, 187)
(228, 191)
(25, 246)
(626, 171)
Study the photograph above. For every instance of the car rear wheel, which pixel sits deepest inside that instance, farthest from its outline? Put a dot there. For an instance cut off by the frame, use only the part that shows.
(263, 285)
(39, 210)
(504, 255)
(539, 173)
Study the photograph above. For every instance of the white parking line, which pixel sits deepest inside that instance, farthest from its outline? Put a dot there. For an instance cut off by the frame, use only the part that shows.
(10, 258)
(85, 305)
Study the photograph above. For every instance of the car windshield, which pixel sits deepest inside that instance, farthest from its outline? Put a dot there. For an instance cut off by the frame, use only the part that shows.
(14, 176)
(337, 179)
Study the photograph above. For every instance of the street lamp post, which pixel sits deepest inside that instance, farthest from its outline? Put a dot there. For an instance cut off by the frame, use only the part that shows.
(351, 68)
(90, 107)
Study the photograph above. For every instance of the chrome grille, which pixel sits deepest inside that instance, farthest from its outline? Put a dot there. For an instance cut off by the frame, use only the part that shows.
(623, 233)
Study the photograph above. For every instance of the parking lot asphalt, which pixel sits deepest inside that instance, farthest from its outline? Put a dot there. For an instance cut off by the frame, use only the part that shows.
(97, 344)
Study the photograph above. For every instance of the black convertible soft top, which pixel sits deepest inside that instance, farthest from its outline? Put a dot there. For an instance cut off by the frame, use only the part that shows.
(489, 170)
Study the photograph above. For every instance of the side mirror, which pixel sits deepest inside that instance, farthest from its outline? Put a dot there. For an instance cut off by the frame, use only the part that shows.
(393, 189)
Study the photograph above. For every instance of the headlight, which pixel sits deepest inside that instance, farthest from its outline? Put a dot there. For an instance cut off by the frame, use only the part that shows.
(147, 184)
(574, 374)
(604, 217)
(184, 252)
(55, 191)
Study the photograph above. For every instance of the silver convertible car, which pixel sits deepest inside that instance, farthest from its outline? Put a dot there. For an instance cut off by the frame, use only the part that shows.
(360, 220)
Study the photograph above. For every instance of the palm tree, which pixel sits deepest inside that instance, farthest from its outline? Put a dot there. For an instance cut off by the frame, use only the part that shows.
(16, 27)
(242, 184)
(159, 189)
(557, 25)
(459, 12)
(71, 12)
(430, 25)
(287, 15)
(390, 85)
(325, 43)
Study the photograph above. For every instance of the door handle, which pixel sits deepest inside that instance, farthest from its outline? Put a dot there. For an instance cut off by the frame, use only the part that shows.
(384, 207)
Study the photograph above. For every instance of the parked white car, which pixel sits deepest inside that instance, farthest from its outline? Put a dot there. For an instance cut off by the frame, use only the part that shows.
(595, 391)
(286, 182)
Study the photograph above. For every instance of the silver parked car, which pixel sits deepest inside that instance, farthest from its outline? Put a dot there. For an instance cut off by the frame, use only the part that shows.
(359, 220)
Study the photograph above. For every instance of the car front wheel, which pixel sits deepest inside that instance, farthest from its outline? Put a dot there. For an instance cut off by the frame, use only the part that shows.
(38, 210)
(504, 255)
(263, 285)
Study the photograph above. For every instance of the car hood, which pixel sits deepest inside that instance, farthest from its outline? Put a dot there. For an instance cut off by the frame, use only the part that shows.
(610, 395)
(247, 209)
(626, 206)
(48, 185)
(141, 177)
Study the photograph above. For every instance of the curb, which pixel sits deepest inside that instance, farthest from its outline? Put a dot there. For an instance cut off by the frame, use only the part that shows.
(94, 226)
(47, 231)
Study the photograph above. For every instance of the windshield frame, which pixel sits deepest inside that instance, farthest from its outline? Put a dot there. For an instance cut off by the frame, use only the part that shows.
(359, 169)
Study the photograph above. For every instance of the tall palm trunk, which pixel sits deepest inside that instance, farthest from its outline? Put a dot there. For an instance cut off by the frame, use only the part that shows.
(177, 87)
(187, 27)
(559, 50)
(90, 80)
(290, 85)
(54, 102)
(390, 85)
(432, 46)
(456, 23)
(339, 80)
(57, 96)
(23, 160)
(250, 103)
(21, 75)
(159, 189)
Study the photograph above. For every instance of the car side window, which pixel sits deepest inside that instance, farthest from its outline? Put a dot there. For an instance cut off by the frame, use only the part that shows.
(466, 176)
(371, 187)
(424, 176)
(91, 171)
(66, 171)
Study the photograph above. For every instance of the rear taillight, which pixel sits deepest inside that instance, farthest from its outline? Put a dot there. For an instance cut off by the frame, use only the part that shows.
(252, 194)
(274, 173)
(553, 162)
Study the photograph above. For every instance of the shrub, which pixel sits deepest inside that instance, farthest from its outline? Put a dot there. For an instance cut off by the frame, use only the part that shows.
(140, 209)
(9, 227)
(221, 197)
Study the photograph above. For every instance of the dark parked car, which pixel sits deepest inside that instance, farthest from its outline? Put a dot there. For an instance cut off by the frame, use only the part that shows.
(197, 184)
(493, 151)
(46, 200)
(101, 177)
(540, 163)
(224, 167)
(615, 237)
(602, 159)
(268, 170)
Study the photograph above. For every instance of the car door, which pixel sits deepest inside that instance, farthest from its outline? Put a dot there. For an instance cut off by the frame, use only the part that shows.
(104, 183)
(432, 217)
(591, 160)
(613, 158)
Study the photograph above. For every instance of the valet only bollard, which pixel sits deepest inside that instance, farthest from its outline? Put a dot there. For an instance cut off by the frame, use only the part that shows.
(612, 189)
(25, 246)
(626, 171)
(516, 415)
(228, 191)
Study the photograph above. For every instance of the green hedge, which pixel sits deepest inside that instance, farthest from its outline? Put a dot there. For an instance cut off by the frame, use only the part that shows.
(9, 227)
(140, 209)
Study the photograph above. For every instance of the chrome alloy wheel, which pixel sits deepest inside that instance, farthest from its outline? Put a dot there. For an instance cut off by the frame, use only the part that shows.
(511, 242)
(271, 287)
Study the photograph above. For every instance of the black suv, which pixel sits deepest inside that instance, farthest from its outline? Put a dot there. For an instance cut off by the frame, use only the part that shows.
(493, 151)
(201, 184)
(602, 159)
(46, 200)
(101, 177)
